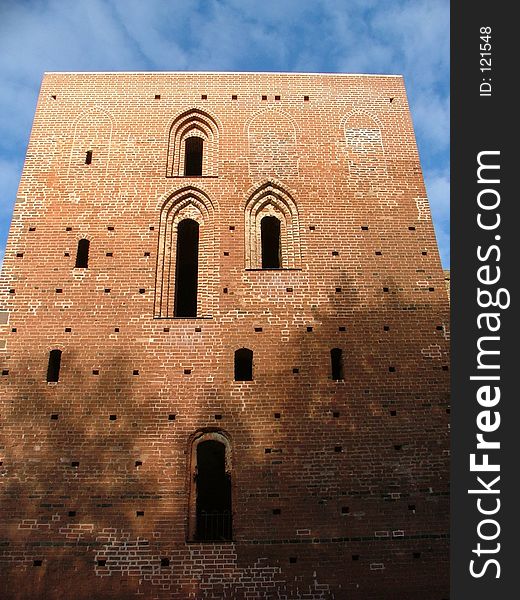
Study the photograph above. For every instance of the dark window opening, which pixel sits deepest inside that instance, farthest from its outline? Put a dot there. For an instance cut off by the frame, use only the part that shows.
(213, 493)
(193, 157)
(82, 254)
(271, 251)
(186, 269)
(336, 361)
(53, 369)
(88, 157)
(243, 364)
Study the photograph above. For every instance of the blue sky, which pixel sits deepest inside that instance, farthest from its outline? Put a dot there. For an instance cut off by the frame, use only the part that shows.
(409, 37)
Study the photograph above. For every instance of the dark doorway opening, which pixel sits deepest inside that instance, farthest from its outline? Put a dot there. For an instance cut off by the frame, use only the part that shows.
(336, 360)
(186, 269)
(213, 493)
(243, 364)
(82, 254)
(193, 157)
(271, 251)
(53, 368)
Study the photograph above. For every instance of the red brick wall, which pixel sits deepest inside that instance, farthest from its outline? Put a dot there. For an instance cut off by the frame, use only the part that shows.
(359, 468)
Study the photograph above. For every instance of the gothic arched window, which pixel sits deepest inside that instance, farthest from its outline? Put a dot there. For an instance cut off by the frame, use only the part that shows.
(185, 284)
(210, 517)
(272, 229)
(193, 145)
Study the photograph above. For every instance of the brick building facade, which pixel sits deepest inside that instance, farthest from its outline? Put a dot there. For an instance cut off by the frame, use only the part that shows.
(224, 344)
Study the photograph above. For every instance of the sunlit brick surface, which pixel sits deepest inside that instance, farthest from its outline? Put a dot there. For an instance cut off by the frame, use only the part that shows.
(339, 488)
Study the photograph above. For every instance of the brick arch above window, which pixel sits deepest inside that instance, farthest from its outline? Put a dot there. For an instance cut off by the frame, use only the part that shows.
(363, 133)
(195, 440)
(92, 133)
(364, 144)
(186, 203)
(273, 144)
(271, 199)
(193, 123)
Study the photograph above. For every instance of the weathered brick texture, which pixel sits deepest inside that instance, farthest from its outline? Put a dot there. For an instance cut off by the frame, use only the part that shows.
(339, 488)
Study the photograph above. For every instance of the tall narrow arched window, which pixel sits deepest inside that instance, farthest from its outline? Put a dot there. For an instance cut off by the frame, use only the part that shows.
(53, 368)
(193, 156)
(243, 364)
(186, 269)
(213, 492)
(82, 254)
(187, 257)
(271, 250)
(336, 363)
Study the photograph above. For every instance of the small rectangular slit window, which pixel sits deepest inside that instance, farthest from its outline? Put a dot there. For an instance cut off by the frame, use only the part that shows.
(53, 367)
(88, 157)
